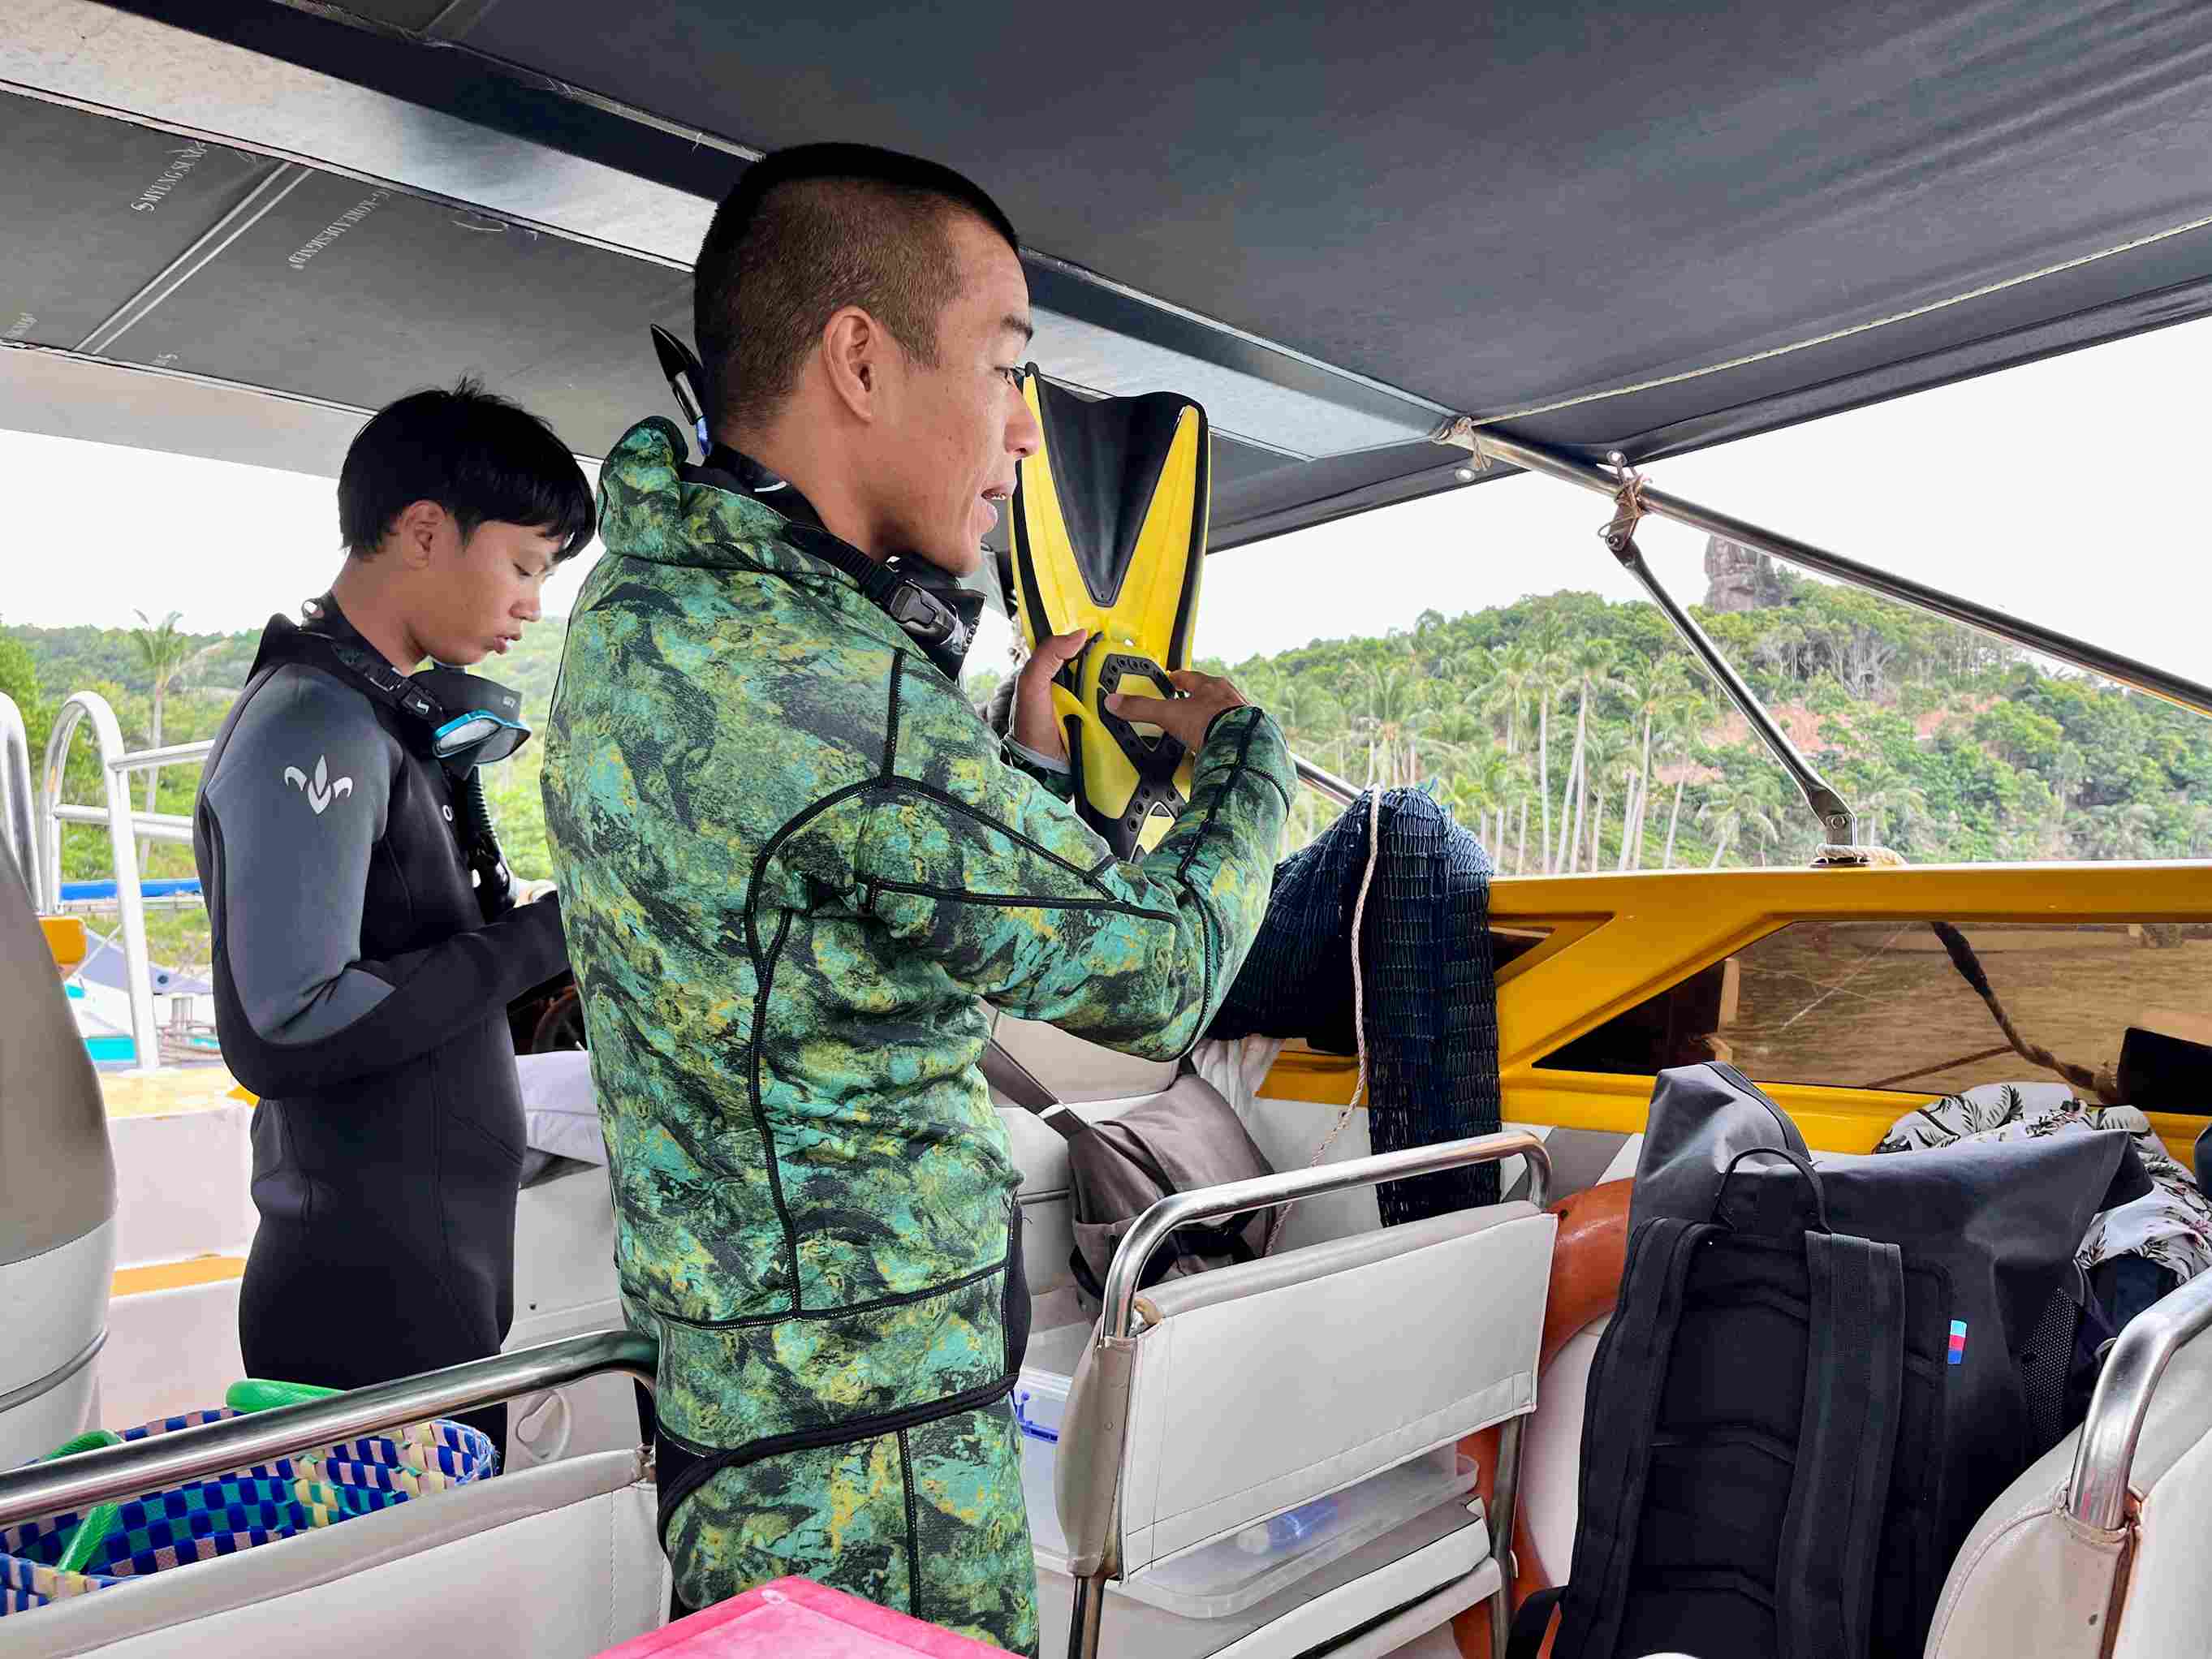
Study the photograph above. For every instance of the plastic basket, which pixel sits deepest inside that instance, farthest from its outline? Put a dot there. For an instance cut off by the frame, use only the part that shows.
(57, 1556)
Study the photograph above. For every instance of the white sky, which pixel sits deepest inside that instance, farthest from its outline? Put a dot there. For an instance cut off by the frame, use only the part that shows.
(2059, 490)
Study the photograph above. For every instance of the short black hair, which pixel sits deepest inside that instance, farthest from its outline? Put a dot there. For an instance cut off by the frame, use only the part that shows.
(806, 231)
(484, 459)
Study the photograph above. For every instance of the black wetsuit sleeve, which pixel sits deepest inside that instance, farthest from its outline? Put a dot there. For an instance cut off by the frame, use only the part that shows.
(290, 818)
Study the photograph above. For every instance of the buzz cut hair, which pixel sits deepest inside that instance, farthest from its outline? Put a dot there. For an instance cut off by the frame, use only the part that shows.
(807, 232)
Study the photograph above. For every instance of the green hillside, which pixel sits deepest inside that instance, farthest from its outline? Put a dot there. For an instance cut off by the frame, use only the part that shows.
(1570, 732)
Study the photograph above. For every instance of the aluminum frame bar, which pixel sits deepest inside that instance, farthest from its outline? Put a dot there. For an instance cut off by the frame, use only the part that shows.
(1117, 1315)
(2097, 1491)
(2126, 671)
(164, 1459)
(1838, 823)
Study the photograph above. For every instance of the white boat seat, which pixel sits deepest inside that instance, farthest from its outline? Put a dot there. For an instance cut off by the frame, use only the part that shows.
(554, 1563)
(2032, 1579)
(1257, 1388)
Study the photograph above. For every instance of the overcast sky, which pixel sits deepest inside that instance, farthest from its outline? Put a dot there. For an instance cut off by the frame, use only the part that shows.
(2058, 491)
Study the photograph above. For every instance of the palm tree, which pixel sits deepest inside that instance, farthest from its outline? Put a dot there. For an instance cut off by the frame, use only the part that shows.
(1513, 677)
(1592, 662)
(1685, 719)
(1550, 666)
(163, 653)
(1654, 687)
(1744, 803)
(1606, 759)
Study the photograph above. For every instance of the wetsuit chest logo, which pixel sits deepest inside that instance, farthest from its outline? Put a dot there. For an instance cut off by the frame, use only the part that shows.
(323, 789)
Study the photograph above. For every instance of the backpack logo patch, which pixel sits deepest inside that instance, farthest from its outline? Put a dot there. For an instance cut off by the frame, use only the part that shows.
(322, 789)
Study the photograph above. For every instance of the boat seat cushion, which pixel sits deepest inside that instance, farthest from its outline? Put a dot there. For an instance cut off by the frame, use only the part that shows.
(2031, 1580)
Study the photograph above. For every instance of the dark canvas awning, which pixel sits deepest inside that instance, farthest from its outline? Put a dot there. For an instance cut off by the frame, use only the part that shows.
(1639, 228)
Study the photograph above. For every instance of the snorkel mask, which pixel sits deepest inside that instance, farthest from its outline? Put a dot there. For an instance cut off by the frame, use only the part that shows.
(474, 721)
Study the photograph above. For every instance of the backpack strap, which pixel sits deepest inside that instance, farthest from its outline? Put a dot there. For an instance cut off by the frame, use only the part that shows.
(1854, 1394)
(1628, 1375)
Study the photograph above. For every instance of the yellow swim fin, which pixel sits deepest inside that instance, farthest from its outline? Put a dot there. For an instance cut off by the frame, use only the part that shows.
(1108, 535)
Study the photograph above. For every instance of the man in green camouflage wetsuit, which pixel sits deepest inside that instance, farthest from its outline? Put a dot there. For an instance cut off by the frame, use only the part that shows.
(794, 863)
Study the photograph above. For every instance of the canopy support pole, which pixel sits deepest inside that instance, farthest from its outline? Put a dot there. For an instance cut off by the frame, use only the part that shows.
(1839, 825)
(1488, 444)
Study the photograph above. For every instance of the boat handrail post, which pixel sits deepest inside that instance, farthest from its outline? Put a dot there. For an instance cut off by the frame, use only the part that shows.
(18, 808)
(2097, 1491)
(130, 903)
(1117, 1313)
(137, 1467)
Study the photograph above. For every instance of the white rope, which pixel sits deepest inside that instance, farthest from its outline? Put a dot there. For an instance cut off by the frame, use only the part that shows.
(1453, 432)
(1358, 1005)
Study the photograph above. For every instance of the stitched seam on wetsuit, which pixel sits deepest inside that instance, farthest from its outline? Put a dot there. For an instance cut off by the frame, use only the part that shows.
(890, 731)
(913, 1530)
(792, 826)
(909, 785)
(1236, 770)
(849, 1310)
(710, 1461)
(760, 1111)
(1016, 900)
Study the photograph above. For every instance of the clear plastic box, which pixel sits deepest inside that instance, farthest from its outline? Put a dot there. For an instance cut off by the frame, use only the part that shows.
(1040, 1403)
(1231, 1574)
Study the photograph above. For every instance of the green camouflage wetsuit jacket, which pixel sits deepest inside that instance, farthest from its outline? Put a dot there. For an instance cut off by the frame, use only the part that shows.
(792, 864)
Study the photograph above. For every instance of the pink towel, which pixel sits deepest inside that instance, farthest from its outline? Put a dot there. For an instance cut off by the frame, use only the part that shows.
(799, 1619)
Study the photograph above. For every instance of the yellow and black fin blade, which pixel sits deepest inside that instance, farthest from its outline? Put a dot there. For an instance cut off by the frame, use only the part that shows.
(1108, 535)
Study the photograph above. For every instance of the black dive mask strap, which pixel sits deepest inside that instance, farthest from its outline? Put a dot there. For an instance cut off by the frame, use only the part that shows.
(930, 610)
(284, 641)
(466, 720)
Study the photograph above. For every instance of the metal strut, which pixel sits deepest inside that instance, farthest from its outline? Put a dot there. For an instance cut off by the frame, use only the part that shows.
(1839, 825)
(1488, 445)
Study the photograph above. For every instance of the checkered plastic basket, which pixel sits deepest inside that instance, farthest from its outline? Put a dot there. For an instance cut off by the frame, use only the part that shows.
(70, 1554)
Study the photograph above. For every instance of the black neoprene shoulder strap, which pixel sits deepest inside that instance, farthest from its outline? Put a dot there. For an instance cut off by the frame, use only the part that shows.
(1824, 1577)
(1846, 1442)
(1627, 1380)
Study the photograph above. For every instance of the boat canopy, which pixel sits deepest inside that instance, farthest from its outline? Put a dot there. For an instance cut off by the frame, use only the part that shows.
(1640, 229)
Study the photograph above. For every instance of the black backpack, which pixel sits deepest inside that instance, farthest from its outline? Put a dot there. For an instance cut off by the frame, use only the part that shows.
(1816, 1380)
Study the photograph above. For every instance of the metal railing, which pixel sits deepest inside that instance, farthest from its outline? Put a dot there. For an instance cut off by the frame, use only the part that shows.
(124, 826)
(1124, 1276)
(74, 1484)
(18, 803)
(2097, 1492)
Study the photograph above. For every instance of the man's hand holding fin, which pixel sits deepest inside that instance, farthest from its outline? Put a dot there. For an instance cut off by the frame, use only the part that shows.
(1035, 727)
(1201, 699)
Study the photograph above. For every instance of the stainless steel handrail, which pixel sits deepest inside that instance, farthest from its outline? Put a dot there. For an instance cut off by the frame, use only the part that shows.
(2097, 1492)
(1327, 782)
(123, 850)
(1151, 1231)
(164, 1459)
(2049, 642)
(19, 821)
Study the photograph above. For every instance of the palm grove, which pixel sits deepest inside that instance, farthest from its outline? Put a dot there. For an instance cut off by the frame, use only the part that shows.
(1569, 732)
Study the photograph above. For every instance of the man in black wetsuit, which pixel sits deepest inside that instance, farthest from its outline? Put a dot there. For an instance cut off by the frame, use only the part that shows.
(364, 958)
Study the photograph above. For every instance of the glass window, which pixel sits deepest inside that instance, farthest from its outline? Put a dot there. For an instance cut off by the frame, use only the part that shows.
(1881, 1005)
